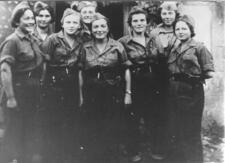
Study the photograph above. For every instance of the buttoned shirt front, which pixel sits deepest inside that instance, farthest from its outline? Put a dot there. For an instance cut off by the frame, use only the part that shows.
(21, 51)
(60, 52)
(38, 37)
(135, 51)
(113, 56)
(193, 59)
(164, 35)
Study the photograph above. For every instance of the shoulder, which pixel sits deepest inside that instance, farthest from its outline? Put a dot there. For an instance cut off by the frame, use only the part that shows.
(12, 37)
(116, 44)
(157, 29)
(53, 36)
(11, 40)
(124, 39)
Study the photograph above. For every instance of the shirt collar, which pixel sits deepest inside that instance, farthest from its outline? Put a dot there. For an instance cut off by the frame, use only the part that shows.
(130, 37)
(60, 34)
(163, 30)
(21, 34)
(36, 33)
(111, 43)
(189, 44)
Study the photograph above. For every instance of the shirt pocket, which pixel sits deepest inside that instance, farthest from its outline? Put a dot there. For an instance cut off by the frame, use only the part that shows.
(189, 62)
(25, 55)
(61, 54)
(110, 58)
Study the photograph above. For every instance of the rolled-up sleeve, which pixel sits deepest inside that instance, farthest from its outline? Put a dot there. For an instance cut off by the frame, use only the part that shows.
(205, 59)
(8, 51)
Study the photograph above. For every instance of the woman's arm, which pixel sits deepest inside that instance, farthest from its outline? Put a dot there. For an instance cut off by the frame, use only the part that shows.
(6, 76)
(205, 59)
(127, 99)
(80, 76)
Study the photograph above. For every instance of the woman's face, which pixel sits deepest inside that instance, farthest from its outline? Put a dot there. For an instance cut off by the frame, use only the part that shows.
(100, 29)
(168, 17)
(139, 23)
(27, 22)
(182, 31)
(87, 14)
(43, 19)
(71, 24)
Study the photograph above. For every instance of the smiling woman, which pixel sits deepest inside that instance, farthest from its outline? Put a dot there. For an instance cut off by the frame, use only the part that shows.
(61, 100)
(104, 76)
(21, 61)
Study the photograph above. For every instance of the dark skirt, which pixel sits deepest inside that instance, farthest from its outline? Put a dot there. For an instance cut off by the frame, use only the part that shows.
(139, 115)
(101, 120)
(21, 121)
(186, 103)
(59, 115)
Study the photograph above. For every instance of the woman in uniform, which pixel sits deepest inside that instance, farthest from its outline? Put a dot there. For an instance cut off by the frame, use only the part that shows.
(61, 83)
(44, 16)
(105, 87)
(87, 10)
(189, 64)
(142, 83)
(160, 38)
(21, 64)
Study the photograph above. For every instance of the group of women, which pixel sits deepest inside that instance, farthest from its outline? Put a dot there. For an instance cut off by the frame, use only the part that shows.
(79, 92)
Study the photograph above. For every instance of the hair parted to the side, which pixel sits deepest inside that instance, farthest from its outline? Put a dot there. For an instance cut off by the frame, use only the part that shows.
(39, 6)
(136, 10)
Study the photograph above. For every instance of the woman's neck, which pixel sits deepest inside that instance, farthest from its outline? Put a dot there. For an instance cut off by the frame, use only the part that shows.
(101, 41)
(139, 38)
(42, 32)
(101, 44)
(185, 41)
(168, 28)
(138, 35)
(69, 38)
(22, 31)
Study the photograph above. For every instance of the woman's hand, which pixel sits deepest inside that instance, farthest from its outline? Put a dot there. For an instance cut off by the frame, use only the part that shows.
(12, 103)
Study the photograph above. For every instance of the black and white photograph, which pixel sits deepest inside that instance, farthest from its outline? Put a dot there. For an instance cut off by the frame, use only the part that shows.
(112, 81)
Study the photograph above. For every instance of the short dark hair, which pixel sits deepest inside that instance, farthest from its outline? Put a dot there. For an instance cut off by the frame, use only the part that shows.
(191, 27)
(136, 10)
(15, 18)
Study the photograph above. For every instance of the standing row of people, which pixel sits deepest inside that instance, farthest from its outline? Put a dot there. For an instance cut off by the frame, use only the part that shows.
(79, 89)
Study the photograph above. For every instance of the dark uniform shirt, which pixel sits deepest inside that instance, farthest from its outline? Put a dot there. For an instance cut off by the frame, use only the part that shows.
(59, 51)
(85, 34)
(21, 52)
(113, 56)
(193, 59)
(158, 45)
(38, 37)
(135, 51)
(164, 35)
